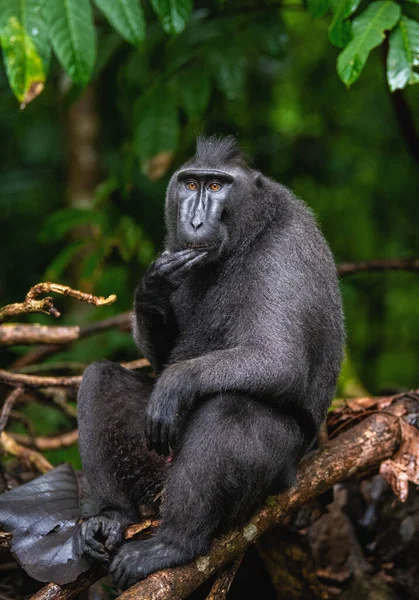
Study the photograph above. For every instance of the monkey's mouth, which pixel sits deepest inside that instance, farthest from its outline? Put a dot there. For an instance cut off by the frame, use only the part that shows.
(199, 246)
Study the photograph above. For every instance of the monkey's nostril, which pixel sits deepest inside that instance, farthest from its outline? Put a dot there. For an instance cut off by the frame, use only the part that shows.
(196, 224)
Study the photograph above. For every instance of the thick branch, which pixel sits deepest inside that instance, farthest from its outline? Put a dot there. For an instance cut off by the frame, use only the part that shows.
(362, 447)
(37, 381)
(393, 264)
(18, 333)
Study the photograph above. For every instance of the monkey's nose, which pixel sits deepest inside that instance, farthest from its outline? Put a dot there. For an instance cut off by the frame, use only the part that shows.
(196, 223)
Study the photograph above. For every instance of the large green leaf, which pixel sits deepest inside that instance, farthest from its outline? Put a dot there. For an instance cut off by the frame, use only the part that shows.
(318, 8)
(403, 55)
(26, 49)
(173, 14)
(340, 29)
(157, 125)
(368, 33)
(72, 34)
(194, 90)
(59, 223)
(126, 16)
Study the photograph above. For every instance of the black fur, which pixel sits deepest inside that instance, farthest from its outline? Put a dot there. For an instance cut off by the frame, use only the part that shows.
(246, 336)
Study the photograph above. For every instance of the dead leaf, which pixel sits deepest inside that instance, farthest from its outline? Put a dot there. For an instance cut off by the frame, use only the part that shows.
(158, 165)
(404, 466)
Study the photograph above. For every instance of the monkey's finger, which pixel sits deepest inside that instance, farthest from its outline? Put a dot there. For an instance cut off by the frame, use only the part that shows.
(192, 261)
(173, 264)
(95, 544)
(164, 440)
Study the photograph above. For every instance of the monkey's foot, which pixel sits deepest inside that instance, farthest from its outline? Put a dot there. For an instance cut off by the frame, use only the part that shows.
(136, 560)
(98, 537)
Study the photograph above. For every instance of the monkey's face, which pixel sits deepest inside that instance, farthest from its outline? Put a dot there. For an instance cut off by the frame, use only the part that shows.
(197, 208)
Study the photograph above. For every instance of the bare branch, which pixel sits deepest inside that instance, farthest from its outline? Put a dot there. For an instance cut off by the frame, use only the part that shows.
(385, 264)
(18, 333)
(53, 591)
(364, 446)
(45, 305)
(122, 321)
(47, 443)
(25, 455)
(37, 381)
(8, 405)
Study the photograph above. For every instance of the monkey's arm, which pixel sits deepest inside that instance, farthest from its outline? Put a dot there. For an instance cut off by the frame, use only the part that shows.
(248, 370)
(155, 325)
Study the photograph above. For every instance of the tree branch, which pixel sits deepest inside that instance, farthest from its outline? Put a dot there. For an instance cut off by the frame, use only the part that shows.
(25, 455)
(18, 333)
(355, 451)
(364, 446)
(47, 443)
(393, 264)
(37, 381)
(32, 305)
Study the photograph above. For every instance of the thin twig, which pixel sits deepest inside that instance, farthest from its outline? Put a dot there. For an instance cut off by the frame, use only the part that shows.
(37, 381)
(36, 355)
(45, 305)
(8, 405)
(385, 264)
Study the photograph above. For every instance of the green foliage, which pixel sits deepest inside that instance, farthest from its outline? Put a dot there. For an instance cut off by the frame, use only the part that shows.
(126, 16)
(368, 32)
(174, 14)
(403, 55)
(72, 35)
(340, 29)
(30, 28)
(26, 50)
(157, 124)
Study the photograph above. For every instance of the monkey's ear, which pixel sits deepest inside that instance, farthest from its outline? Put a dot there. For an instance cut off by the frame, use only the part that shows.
(257, 178)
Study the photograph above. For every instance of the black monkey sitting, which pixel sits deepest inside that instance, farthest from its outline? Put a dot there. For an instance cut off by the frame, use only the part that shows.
(241, 319)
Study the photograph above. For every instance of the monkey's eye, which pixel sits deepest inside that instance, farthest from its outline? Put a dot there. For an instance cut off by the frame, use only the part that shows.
(191, 185)
(214, 186)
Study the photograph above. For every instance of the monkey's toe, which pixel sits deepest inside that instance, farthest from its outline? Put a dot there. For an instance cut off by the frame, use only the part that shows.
(134, 561)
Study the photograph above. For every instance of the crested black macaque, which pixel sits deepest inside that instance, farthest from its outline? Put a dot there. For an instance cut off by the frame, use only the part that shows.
(241, 319)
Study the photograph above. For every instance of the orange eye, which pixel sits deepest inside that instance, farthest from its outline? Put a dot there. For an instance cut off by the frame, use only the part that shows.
(191, 185)
(215, 187)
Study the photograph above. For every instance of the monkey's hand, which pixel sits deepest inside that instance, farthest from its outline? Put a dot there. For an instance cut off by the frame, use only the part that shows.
(165, 275)
(166, 411)
(97, 538)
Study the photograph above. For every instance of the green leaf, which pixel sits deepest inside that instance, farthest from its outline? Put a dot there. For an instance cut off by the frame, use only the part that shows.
(318, 8)
(72, 34)
(173, 14)
(59, 223)
(62, 260)
(228, 67)
(126, 16)
(194, 90)
(368, 33)
(157, 125)
(340, 29)
(26, 50)
(403, 55)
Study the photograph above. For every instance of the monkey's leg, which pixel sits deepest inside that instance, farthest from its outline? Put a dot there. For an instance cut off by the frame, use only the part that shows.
(121, 472)
(234, 452)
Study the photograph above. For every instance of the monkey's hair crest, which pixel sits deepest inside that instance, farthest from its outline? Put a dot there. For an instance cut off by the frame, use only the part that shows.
(213, 151)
